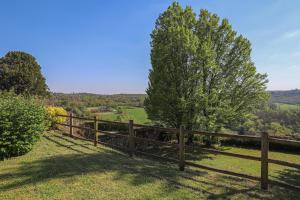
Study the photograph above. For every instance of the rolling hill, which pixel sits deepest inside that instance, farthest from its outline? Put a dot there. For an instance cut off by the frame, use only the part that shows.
(286, 96)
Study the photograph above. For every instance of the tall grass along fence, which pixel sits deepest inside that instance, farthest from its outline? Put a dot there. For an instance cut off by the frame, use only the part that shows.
(133, 140)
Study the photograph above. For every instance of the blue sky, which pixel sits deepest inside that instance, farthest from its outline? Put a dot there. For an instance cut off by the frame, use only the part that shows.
(102, 46)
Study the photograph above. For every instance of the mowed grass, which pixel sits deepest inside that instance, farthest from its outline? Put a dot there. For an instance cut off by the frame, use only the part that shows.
(285, 106)
(137, 114)
(250, 167)
(60, 167)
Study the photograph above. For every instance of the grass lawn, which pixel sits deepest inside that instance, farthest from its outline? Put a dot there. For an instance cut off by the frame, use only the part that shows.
(250, 167)
(60, 167)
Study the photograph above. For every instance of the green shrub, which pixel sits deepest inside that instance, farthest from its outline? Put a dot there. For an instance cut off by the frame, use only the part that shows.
(22, 120)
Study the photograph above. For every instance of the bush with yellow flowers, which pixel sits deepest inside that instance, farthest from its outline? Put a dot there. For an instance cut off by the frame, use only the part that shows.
(53, 112)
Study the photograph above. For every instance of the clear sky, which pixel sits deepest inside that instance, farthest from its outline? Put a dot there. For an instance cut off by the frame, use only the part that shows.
(102, 46)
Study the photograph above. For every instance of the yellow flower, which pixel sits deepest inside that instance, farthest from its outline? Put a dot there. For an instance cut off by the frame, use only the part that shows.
(53, 112)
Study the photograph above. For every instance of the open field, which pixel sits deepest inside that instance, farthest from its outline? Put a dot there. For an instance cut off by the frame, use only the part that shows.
(285, 106)
(138, 114)
(60, 167)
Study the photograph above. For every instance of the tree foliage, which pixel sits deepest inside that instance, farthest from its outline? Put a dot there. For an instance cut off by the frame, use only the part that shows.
(22, 121)
(20, 72)
(170, 95)
(276, 121)
(202, 75)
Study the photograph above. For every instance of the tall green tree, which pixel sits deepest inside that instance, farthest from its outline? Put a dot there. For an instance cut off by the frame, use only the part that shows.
(20, 72)
(202, 75)
(174, 44)
(229, 85)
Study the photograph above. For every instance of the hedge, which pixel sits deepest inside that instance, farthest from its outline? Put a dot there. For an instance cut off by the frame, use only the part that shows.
(22, 121)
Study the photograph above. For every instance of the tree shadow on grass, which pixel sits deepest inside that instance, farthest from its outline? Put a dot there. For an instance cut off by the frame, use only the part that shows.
(289, 176)
(87, 159)
(170, 151)
(274, 192)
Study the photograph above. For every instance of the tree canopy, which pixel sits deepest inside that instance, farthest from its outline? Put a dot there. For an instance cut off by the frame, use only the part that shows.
(20, 72)
(202, 74)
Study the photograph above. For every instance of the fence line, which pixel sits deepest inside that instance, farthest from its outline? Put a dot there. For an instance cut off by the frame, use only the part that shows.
(174, 130)
(213, 151)
(265, 140)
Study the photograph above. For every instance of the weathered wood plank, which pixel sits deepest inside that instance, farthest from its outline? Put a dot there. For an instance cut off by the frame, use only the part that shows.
(131, 138)
(181, 149)
(264, 160)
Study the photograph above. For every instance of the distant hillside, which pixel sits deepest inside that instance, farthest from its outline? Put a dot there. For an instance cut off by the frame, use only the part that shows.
(90, 100)
(286, 96)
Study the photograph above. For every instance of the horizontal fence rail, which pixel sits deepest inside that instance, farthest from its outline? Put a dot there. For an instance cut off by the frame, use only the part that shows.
(174, 130)
(242, 137)
(132, 139)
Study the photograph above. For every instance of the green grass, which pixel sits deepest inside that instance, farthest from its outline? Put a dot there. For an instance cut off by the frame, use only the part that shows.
(137, 114)
(250, 167)
(285, 106)
(63, 168)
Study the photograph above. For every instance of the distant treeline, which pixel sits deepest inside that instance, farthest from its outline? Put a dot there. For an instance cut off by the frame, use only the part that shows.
(78, 102)
(91, 100)
(287, 96)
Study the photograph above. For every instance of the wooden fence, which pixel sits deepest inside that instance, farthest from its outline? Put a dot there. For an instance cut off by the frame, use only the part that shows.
(132, 140)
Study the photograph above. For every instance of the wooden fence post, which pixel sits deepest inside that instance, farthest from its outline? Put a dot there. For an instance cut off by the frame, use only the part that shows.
(71, 124)
(96, 131)
(264, 160)
(181, 149)
(130, 138)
